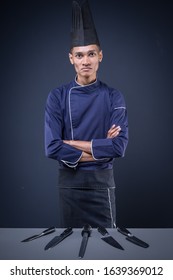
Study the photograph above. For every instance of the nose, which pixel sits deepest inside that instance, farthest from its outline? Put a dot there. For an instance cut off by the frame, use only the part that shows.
(85, 60)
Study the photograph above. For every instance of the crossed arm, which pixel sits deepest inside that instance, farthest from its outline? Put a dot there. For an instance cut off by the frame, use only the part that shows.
(85, 146)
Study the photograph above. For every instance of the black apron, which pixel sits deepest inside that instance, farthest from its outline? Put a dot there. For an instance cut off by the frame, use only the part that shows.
(87, 197)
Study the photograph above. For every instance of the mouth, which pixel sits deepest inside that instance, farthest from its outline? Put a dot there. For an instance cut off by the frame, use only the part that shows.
(86, 68)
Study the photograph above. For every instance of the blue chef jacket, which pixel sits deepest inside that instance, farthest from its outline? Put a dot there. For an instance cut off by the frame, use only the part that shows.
(77, 112)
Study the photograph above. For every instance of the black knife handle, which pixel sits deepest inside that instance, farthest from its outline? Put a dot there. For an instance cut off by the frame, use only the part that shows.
(124, 231)
(86, 229)
(49, 230)
(66, 232)
(102, 230)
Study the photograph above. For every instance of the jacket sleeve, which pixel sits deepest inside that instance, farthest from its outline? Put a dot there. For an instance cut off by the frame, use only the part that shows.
(113, 147)
(55, 148)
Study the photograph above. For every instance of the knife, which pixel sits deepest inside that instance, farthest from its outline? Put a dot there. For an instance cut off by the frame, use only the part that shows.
(45, 232)
(130, 237)
(108, 238)
(86, 232)
(59, 238)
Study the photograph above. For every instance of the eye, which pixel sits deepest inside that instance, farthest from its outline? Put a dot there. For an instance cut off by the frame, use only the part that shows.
(91, 54)
(78, 55)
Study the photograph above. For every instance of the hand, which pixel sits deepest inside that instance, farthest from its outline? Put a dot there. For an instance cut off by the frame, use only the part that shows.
(86, 157)
(113, 131)
(84, 146)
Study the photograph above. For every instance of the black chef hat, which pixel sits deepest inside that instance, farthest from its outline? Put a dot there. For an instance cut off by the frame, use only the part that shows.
(83, 30)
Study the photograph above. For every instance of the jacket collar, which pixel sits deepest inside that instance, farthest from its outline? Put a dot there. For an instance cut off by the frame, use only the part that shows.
(88, 87)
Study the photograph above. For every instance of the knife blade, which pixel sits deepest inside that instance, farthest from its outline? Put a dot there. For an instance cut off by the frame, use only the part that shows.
(59, 238)
(130, 237)
(86, 232)
(108, 238)
(45, 232)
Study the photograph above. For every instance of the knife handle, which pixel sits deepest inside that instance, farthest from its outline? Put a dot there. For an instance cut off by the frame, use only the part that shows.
(102, 230)
(124, 231)
(86, 229)
(49, 230)
(66, 232)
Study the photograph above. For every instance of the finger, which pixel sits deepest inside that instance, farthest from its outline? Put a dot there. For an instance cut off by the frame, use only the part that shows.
(114, 132)
(118, 128)
(113, 127)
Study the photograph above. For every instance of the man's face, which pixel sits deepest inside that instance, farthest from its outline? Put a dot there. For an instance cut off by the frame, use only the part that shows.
(86, 61)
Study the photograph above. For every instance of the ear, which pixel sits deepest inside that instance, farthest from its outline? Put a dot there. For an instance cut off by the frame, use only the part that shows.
(100, 56)
(71, 58)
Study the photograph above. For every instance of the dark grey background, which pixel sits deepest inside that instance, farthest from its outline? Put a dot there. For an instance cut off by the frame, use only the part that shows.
(137, 42)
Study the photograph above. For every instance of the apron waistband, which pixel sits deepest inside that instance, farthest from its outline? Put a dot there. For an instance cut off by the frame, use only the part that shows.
(89, 179)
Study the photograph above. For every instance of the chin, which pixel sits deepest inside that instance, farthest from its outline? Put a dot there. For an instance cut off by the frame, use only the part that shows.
(86, 75)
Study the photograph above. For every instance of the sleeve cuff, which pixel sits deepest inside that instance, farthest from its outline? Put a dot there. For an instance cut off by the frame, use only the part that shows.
(72, 164)
(101, 149)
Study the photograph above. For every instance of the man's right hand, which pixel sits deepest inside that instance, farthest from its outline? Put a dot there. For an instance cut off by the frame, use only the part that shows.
(113, 131)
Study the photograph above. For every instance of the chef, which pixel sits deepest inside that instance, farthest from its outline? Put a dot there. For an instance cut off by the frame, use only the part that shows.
(86, 129)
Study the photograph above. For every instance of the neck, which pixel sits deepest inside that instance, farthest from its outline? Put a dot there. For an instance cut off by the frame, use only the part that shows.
(85, 80)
